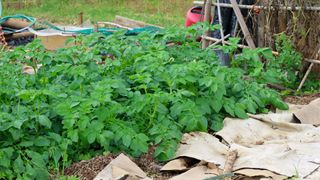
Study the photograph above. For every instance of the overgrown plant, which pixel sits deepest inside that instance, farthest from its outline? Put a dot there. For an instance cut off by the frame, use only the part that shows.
(115, 93)
(261, 65)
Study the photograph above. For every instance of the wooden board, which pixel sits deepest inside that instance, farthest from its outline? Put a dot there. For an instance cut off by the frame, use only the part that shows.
(131, 23)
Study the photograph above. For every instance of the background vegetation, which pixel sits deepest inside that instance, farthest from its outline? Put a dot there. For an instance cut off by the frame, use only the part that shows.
(163, 13)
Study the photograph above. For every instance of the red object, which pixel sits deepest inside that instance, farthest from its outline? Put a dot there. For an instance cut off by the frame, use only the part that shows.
(193, 16)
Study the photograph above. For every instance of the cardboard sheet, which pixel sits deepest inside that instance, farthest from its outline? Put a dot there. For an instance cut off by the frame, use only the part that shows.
(310, 114)
(121, 168)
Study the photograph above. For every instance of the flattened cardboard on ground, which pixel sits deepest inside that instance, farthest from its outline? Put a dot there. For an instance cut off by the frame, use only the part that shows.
(277, 148)
(202, 146)
(199, 172)
(314, 175)
(279, 116)
(121, 168)
(252, 173)
(310, 114)
(179, 164)
(283, 148)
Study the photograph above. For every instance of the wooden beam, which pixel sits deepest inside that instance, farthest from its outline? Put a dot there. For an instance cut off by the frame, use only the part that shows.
(243, 25)
(114, 24)
(298, 8)
(312, 61)
(220, 40)
(238, 45)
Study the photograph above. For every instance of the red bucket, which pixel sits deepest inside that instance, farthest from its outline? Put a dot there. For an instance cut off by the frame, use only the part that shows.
(193, 16)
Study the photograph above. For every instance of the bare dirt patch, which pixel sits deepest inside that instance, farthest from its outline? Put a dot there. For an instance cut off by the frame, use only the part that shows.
(302, 100)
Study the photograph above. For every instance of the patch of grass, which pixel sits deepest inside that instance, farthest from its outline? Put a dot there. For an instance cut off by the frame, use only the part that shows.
(159, 12)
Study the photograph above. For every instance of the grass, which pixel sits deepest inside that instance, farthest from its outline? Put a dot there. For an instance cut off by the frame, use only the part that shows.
(160, 12)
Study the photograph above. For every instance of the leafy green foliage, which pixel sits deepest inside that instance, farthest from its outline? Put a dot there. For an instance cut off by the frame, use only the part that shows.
(115, 93)
(281, 70)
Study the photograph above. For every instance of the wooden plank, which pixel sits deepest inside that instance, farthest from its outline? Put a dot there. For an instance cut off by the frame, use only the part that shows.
(131, 23)
(243, 25)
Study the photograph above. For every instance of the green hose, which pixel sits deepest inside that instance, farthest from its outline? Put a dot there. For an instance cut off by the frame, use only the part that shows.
(18, 16)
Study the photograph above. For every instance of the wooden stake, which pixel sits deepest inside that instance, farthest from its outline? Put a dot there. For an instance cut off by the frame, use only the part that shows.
(305, 76)
(219, 41)
(243, 25)
(237, 24)
(207, 12)
(312, 61)
(228, 166)
(81, 18)
(220, 22)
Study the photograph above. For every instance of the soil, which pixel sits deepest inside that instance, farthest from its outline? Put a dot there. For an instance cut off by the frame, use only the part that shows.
(302, 100)
(88, 170)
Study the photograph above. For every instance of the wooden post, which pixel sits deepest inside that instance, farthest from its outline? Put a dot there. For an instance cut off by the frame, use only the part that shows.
(81, 18)
(207, 12)
(261, 26)
(243, 25)
(237, 24)
(220, 22)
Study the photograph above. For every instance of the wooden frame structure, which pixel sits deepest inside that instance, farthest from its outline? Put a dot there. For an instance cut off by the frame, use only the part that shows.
(240, 19)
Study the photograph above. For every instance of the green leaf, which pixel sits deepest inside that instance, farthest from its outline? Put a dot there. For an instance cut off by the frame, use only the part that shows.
(251, 107)
(216, 105)
(73, 135)
(230, 109)
(5, 156)
(237, 88)
(91, 136)
(216, 123)
(18, 165)
(26, 144)
(37, 159)
(56, 155)
(126, 139)
(280, 104)
(44, 121)
(239, 111)
(42, 141)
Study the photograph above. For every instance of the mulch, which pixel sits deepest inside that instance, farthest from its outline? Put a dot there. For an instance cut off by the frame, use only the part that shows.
(89, 169)
(301, 100)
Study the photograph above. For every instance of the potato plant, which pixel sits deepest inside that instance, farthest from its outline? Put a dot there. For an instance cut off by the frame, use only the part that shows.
(115, 93)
